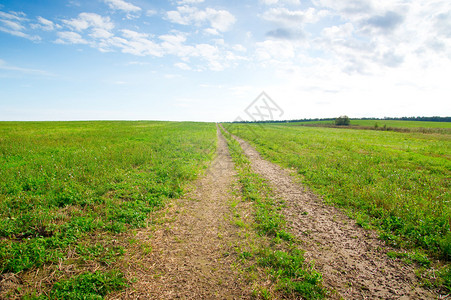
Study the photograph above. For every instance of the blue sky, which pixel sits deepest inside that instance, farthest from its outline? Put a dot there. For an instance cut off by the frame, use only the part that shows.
(208, 60)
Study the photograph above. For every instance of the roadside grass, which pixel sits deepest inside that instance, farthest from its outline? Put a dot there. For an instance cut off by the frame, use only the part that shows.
(280, 257)
(64, 183)
(397, 182)
(86, 286)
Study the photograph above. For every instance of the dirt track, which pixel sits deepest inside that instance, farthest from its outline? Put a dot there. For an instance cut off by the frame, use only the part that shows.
(192, 252)
(353, 260)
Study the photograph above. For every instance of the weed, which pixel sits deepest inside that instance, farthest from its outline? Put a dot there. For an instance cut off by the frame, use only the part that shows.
(88, 286)
(409, 258)
(293, 274)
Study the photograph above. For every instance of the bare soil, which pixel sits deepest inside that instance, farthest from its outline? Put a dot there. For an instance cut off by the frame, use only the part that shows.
(353, 260)
(192, 250)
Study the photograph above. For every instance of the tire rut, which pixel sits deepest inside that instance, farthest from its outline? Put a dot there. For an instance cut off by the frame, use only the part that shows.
(353, 260)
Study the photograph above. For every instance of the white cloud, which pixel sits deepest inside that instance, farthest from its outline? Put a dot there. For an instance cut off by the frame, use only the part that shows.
(151, 12)
(346, 8)
(219, 20)
(171, 76)
(292, 18)
(211, 31)
(272, 2)
(207, 51)
(290, 23)
(175, 16)
(99, 33)
(137, 63)
(44, 24)
(70, 37)
(339, 32)
(130, 34)
(174, 44)
(6, 66)
(89, 20)
(137, 44)
(239, 48)
(122, 5)
(217, 57)
(20, 34)
(18, 16)
(14, 23)
(182, 66)
(382, 34)
(206, 56)
(270, 50)
(190, 1)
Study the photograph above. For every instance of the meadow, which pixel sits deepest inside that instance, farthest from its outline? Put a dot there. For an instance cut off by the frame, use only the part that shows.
(73, 193)
(396, 182)
(401, 124)
(386, 123)
(65, 183)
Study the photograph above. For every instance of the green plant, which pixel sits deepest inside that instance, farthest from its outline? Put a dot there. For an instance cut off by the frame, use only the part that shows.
(293, 274)
(64, 181)
(88, 286)
(342, 121)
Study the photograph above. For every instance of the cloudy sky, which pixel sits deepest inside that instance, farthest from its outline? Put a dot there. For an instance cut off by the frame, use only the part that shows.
(208, 60)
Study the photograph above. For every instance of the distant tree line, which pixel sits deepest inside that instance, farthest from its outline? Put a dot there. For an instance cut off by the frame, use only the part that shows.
(287, 121)
(429, 119)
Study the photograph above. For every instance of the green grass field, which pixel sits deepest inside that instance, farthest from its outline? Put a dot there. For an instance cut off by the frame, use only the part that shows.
(64, 181)
(387, 123)
(70, 191)
(398, 182)
(402, 124)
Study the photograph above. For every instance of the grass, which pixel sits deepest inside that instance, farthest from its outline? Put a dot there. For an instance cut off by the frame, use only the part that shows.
(86, 286)
(401, 124)
(65, 181)
(283, 260)
(387, 123)
(397, 182)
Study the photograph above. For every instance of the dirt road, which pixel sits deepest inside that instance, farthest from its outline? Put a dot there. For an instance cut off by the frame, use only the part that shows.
(192, 252)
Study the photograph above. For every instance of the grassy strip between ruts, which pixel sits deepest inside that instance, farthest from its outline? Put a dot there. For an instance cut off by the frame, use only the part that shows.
(70, 190)
(283, 260)
(396, 182)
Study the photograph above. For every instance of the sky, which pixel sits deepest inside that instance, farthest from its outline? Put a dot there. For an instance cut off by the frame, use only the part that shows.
(201, 60)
